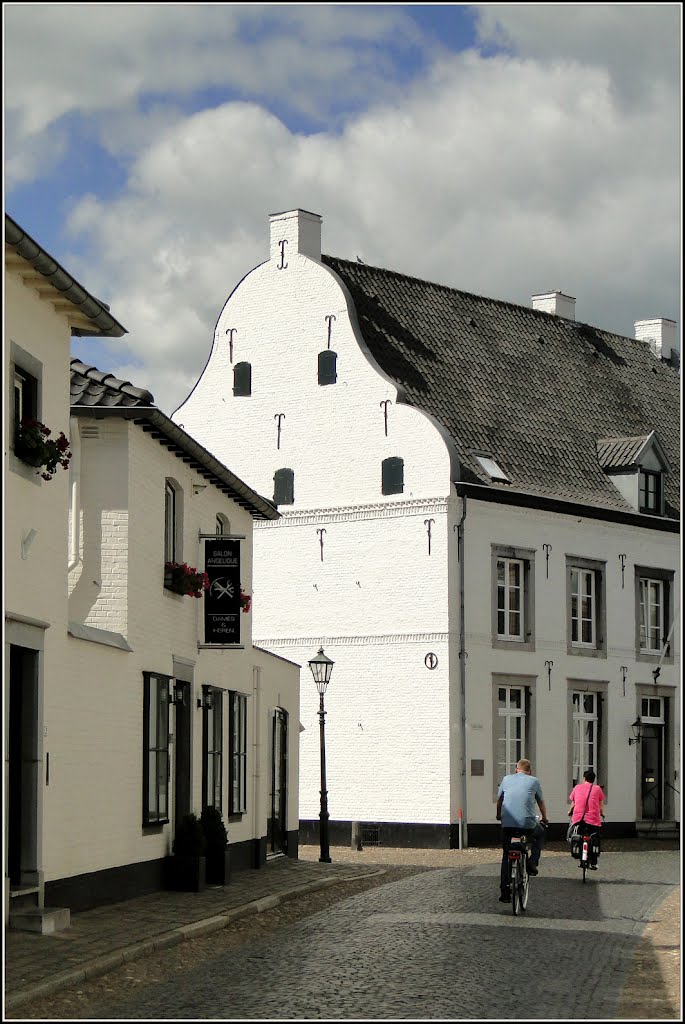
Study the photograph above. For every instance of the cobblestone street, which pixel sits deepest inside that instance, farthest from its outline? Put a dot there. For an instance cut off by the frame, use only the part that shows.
(432, 944)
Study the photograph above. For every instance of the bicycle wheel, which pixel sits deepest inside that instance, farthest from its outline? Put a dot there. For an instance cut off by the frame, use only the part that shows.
(584, 857)
(523, 890)
(514, 884)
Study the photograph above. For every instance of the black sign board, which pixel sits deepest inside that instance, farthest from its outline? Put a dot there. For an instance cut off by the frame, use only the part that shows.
(222, 598)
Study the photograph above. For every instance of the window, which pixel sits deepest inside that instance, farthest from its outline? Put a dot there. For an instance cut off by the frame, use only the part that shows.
(212, 747)
(653, 613)
(494, 471)
(156, 749)
(510, 729)
(509, 599)
(284, 487)
(586, 607)
(222, 525)
(652, 711)
(169, 522)
(237, 786)
(392, 477)
(650, 492)
(327, 367)
(583, 607)
(242, 379)
(25, 402)
(585, 726)
(513, 597)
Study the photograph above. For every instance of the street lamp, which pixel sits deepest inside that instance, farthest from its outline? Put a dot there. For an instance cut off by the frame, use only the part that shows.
(637, 731)
(322, 667)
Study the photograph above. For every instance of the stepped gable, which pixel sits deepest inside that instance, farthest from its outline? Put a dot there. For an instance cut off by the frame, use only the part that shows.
(531, 390)
(90, 386)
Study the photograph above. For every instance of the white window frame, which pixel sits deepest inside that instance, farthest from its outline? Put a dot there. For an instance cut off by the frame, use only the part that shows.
(648, 719)
(578, 596)
(647, 585)
(514, 747)
(507, 588)
(584, 722)
(170, 522)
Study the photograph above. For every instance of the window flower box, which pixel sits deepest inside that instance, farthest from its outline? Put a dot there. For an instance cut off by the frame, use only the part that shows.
(185, 579)
(37, 448)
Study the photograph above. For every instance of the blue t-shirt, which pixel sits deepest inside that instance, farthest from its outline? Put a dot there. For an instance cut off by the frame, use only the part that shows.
(519, 803)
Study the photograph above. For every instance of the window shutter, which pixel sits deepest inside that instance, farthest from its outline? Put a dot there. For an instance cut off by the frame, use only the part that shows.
(327, 367)
(284, 487)
(242, 379)
(392, 476)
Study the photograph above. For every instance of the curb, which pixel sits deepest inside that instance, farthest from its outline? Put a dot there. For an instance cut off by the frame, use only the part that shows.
(110, 961)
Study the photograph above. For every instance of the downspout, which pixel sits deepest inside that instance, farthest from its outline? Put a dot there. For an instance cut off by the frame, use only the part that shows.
(463, 816)
(257, 772)
(75, 497)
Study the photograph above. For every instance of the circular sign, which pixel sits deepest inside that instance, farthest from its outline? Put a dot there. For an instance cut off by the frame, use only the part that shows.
(431, 661)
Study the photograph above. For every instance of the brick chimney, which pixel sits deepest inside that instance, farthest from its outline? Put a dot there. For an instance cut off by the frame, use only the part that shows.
(300, 230)
(660, 335)
(557, 303)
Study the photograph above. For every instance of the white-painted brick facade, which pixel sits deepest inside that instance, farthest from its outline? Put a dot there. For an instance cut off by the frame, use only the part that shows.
(378, 602)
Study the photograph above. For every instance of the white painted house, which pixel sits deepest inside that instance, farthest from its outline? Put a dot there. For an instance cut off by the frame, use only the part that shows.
(125, 709)
(480, 524)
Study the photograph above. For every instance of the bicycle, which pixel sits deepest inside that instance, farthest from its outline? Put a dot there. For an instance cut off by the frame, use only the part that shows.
(518, 873)
(583, 845)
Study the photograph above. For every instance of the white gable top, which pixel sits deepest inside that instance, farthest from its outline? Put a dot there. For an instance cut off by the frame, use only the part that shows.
(494, 471)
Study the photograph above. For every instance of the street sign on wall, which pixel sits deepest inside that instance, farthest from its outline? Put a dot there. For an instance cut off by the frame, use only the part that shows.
(222, 598)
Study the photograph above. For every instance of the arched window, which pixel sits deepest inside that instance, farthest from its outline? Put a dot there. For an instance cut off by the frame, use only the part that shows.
(173, 520)
(327, 367)
(222, 524)
(242, 379)
(284, 487)
(392, 478)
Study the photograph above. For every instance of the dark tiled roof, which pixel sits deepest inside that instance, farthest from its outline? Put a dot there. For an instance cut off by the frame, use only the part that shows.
(90, 386)
(617, 452)
(532, 390)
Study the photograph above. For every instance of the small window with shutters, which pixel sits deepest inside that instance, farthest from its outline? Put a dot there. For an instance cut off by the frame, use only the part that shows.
(284, 487)
(392, 480)
(327, 367)
(242, 379)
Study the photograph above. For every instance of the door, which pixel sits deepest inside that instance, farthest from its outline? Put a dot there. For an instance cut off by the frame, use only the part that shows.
(652, 771)
(24, 768)
(182, 751)
(277, 836)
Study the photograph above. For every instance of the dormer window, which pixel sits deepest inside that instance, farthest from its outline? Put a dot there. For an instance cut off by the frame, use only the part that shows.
(494, 471)
(650, 492)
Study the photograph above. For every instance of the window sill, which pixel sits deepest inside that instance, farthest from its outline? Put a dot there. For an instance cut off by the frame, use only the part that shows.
(586, 652)
(653, 659)
(500, 643)
(23, 469)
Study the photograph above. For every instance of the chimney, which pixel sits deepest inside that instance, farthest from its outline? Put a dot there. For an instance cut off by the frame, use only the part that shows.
(299, 230)
(556, 302)
(660, 335)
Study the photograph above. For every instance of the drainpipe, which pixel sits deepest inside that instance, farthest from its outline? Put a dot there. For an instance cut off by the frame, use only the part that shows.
(75, 498)
(463, 816)
(257, 769)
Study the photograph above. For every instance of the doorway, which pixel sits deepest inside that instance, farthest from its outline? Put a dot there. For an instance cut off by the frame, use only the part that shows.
(24, 767)
(652, 757)
(277, 835)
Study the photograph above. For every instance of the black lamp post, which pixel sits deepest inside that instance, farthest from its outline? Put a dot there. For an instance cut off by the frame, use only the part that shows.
(322, 667)
(637, 731)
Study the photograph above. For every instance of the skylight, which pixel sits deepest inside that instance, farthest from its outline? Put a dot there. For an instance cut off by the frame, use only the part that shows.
(492, 469)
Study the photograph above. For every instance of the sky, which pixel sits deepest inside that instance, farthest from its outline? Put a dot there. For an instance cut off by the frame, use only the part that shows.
(502, 149)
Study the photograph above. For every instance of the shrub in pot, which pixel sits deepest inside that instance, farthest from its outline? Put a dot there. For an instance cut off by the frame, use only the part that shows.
(187, 866)
(218, 856)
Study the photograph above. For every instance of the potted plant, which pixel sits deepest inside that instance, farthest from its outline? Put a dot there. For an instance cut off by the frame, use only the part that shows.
(187, 865)
(185, 579)
(35, 446)
(218, 856)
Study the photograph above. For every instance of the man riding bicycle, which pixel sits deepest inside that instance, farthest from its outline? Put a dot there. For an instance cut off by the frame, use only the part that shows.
(516, 799)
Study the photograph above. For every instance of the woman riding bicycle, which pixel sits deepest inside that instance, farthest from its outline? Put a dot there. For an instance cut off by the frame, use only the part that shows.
(587, 804)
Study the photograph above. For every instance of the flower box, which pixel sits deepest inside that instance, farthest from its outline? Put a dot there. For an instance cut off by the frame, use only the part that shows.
(35, 447)
(185, 579)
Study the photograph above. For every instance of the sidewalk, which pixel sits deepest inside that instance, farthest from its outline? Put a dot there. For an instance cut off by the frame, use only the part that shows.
(102, 939)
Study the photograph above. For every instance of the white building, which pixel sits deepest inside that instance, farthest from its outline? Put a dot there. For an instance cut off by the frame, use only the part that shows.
(480, 524)
(128, 714)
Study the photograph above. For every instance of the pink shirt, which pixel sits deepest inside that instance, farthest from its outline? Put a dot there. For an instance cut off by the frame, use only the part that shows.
(579, 796)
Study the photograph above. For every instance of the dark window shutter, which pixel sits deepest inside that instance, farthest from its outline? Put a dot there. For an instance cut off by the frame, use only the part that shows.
(327, 367)
(393, 476)
(284, 487)
(242, 379)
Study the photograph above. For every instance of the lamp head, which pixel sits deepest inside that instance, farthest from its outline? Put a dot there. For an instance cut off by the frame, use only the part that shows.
(321, 667)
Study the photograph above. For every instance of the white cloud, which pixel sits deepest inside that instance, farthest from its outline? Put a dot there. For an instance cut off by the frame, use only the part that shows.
(502, 176)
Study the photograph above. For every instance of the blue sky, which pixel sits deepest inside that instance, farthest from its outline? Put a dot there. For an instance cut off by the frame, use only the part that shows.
(501, 149)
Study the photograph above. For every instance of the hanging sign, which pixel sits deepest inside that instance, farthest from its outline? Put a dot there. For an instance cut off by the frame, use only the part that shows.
(222, 598)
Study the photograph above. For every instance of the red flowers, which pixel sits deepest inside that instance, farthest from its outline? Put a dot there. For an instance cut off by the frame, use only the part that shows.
(33, 447)
(185, 579)
(245, 601)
